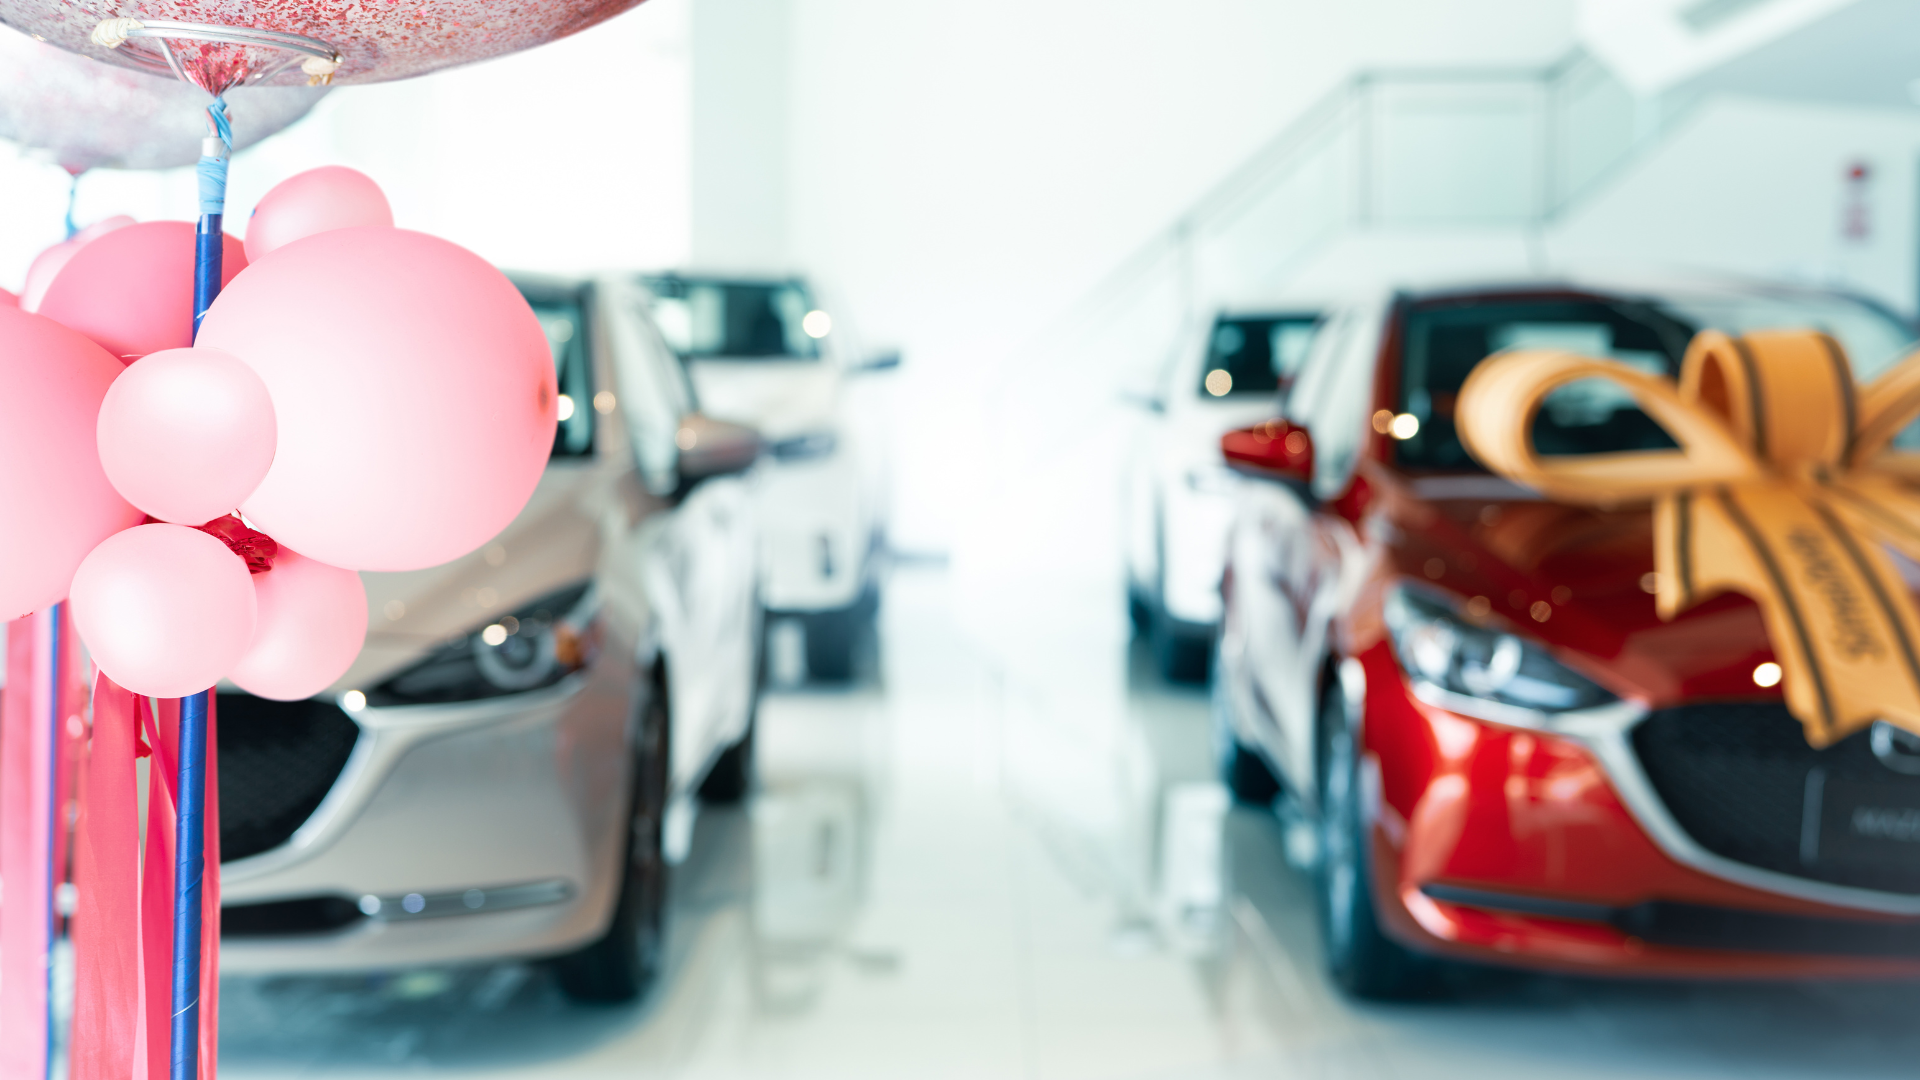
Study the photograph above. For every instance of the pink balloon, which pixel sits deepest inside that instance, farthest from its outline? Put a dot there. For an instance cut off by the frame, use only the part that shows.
(131, 290)
(313, 618)
(164, 610)
(55, 501)
(413, 388)
(9, 299)
(47, 265)
(315, 201)
(187, 434)
(44, 268)
(376, 41)
(102, 227)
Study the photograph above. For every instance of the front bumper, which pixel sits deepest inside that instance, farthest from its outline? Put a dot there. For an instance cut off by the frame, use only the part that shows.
(817, 534)
(455, 833)
(1518, 847)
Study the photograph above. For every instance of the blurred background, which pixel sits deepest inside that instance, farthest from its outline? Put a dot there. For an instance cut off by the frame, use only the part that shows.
(1002, 850)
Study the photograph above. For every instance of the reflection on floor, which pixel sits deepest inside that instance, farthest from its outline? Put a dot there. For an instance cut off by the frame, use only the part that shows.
(1006, 858)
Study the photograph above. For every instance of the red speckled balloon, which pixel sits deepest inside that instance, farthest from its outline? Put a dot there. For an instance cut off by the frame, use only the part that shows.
(89, 115)
(378, 40)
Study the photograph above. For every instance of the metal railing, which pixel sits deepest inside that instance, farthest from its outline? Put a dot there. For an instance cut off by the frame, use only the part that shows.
(1400, 150)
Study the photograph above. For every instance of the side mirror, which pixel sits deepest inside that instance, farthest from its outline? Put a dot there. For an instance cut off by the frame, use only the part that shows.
(1274, 450)
(881, 361)
(710, 448)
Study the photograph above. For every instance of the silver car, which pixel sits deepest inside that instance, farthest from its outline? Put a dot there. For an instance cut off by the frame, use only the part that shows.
(500, 772)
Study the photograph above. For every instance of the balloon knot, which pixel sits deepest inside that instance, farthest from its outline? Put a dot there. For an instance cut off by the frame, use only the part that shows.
(113, 33)
(255, 548)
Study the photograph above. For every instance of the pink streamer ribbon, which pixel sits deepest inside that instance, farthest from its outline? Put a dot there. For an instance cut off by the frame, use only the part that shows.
(124, 924)
(26, 854)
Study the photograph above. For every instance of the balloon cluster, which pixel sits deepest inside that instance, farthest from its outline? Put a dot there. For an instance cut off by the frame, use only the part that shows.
(359, 397)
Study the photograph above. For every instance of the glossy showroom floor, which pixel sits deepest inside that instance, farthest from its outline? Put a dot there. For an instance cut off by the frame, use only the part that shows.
(1004, 857)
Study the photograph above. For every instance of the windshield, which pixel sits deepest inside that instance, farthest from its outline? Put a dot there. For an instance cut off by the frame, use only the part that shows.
(1255, 356)
(737, 320)
(563, 319)
(1443, 340)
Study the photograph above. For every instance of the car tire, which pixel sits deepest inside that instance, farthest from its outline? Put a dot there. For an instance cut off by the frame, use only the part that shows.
(1183, 656)
(620, 965)
(731, 777)
(834, 638)
(1139, 612)
(1361, 959)
(1248, 777)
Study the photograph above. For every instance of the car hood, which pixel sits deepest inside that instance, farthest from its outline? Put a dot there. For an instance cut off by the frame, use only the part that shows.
(552, 544)
(778, 398)
(1481, 536)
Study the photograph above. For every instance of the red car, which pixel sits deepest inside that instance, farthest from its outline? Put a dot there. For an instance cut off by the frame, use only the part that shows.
(1509, 756)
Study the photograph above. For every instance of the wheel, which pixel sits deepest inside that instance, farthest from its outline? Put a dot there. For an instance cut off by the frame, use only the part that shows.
(623, 962)
(834, 637)
(1139, 612)
(1362, 960)
(1182, 654)
(731, 777)
(1249, 779)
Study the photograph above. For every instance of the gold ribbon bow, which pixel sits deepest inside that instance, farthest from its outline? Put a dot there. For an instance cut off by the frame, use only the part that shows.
(1783, 488)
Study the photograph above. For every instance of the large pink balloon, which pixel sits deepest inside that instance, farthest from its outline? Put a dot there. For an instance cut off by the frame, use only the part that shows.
(55, 501)
(377, 41)
(187, 434)
(413, 388)
(131, 290)
(315, 201)
(313, 618)
(164, 610)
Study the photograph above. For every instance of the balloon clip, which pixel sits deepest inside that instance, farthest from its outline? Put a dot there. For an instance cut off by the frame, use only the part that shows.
(319, 70)
(149, 45)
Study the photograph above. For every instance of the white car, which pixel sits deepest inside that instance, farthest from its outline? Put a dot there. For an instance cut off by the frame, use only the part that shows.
(761, 352)
(501, 771)
(1178, 494)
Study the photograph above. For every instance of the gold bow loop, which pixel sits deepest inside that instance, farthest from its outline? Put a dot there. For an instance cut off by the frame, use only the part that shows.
(1783, 487)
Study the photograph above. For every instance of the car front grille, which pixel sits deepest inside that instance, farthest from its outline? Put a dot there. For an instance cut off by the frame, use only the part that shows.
(278, 759)
(1736, 776)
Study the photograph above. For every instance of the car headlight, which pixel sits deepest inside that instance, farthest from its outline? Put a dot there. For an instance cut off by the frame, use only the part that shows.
(533, 648)
(817, 444)
(1477, 663)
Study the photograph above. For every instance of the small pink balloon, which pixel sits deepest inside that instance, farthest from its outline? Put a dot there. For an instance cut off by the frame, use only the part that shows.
(414, 427)
(312, 621)
(131, 290)
(48, 263)
(55, 501)
(315, 201)
(187, 434)
(164, 610)
(9, 299)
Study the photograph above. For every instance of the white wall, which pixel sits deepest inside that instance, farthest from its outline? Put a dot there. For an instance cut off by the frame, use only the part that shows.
(742, 85)
(964, 172)
(1758, 188)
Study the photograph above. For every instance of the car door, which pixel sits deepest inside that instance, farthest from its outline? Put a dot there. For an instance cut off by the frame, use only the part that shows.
(695, 559)
(1272, 544)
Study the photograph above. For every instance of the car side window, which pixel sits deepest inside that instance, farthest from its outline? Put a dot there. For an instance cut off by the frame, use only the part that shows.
(654, 390)
(1341, 420)
(1298, 404)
